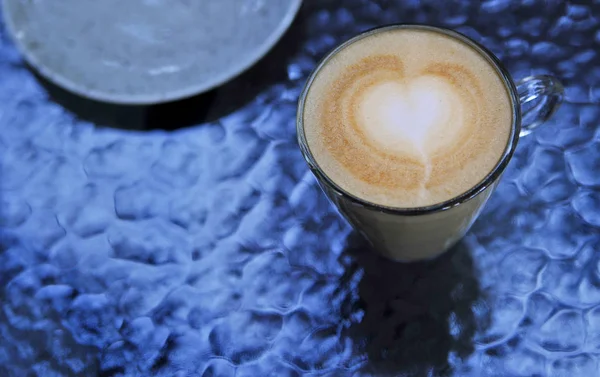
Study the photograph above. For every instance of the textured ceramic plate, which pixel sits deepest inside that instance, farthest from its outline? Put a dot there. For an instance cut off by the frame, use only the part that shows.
(145, 51)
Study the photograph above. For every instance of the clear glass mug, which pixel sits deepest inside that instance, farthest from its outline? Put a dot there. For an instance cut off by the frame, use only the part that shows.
(409, 234)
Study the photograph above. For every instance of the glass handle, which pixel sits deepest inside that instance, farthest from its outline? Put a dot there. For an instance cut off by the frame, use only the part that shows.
(540, 96)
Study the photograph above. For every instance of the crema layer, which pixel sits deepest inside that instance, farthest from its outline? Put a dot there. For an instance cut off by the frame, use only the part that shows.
(407, 118)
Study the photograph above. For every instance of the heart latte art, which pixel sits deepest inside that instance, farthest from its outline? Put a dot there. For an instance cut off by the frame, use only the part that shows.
(402, 115)
(407, 118)
(393, 117)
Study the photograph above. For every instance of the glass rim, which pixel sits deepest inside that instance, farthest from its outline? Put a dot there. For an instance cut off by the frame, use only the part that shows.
(474, 191)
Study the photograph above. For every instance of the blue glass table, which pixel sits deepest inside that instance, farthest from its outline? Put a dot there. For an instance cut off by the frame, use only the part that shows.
(189, 239)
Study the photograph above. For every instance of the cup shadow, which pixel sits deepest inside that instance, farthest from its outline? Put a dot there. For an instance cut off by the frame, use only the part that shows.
(416, 317)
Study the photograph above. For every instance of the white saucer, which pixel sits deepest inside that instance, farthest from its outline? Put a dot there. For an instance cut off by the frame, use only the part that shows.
(145, 51)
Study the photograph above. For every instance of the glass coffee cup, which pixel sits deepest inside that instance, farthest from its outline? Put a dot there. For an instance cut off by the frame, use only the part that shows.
(423, 232)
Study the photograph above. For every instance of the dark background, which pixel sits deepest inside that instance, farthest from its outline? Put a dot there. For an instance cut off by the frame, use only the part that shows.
(189, 239)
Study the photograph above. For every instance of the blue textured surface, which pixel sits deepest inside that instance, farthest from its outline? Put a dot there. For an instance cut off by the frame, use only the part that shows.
(209, 250)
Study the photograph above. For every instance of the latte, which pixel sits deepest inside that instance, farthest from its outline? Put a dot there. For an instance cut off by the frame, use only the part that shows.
(407, 118)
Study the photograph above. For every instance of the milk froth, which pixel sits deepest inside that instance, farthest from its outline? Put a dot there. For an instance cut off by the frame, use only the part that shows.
(407, 118)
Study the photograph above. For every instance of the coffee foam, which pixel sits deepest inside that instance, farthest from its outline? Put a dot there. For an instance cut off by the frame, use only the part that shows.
(407, 118)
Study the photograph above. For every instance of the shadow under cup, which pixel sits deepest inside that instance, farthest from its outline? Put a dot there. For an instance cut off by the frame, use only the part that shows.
(410, 234)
